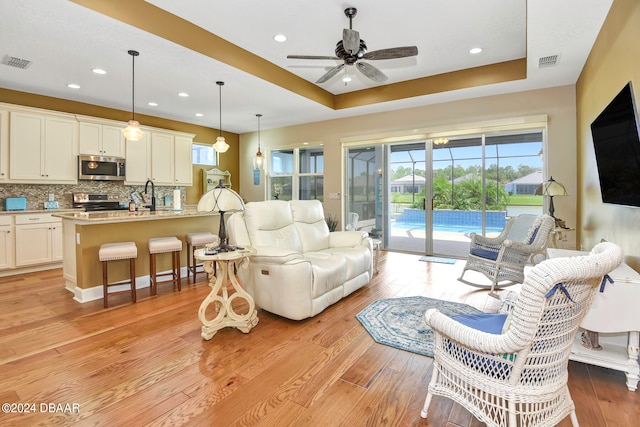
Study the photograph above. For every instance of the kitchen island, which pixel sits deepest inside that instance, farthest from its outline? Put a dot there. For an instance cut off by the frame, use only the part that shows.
(84, 232)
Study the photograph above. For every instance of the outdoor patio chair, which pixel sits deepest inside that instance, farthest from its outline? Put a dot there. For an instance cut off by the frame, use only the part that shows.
(514, 371)
(502, 258)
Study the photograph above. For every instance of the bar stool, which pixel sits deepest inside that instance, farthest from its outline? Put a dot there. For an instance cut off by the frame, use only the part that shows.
(114, 252)
(159, 245)
(195, 241)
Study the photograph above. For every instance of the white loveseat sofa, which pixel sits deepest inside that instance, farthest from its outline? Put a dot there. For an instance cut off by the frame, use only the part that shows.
(300, 268)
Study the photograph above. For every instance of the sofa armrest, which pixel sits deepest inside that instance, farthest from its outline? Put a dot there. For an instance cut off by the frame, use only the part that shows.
(273, 255)
(346, 239)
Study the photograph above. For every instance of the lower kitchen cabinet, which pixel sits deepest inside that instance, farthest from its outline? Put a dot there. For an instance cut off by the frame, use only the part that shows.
(38, 239)
(7, 243)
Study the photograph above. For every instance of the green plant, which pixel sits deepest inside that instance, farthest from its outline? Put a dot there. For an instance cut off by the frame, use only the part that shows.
(332, 222)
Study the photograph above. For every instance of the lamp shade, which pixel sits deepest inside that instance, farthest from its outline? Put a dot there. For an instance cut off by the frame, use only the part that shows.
(221, 145)
(551, 187)
(220, 199)
(132, 132)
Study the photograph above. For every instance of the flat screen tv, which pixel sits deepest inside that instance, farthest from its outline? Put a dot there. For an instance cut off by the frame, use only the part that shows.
(616, 140)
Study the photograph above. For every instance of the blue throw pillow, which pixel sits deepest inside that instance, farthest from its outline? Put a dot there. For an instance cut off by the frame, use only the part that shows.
(491, 323)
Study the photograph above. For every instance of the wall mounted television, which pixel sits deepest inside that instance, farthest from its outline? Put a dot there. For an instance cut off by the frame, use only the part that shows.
(616, 141)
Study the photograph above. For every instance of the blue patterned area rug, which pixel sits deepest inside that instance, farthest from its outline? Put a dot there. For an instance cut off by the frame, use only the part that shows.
(399, 322)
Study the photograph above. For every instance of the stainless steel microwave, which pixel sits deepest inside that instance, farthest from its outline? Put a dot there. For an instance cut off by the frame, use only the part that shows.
(100, 168)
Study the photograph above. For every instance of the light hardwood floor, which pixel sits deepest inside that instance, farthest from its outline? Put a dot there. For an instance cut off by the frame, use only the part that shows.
(146, 364)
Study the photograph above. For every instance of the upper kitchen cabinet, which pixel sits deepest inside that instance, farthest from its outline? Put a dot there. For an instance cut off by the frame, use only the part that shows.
(43, 147)
(4, 145)
(169, 155)
(101, 139)
(138, 154)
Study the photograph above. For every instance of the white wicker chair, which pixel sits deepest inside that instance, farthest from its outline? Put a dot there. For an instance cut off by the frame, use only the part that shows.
(502, 258)
(519, 377)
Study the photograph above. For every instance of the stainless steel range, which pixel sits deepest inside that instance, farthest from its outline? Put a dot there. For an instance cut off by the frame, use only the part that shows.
(97, 202)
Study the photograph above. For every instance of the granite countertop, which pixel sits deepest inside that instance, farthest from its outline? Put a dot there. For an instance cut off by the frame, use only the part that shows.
(40, 211)
(103, 217)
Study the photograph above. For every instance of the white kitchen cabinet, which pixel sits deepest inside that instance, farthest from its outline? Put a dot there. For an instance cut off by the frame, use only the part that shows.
(7, 242)
(138, 155)
(162, 156)
(43, 148)
(4, 145)
(162, 163)
(101, 140)
(183, 166)
(38, 239)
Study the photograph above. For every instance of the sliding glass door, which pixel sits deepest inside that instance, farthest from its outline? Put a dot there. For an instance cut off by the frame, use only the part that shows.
(429, 196)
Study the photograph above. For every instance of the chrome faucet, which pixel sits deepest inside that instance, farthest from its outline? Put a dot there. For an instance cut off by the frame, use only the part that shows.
(153, 193)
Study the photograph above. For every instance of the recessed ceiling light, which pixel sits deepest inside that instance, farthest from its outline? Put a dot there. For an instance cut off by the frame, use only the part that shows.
(183, 94)
(99, 71)
(73, 86)
(280, 38)
(152, 104)
(475, 50)
(199, 115)
(305, 143)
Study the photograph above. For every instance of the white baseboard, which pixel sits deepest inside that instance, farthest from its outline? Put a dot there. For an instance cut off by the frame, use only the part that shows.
(96, 292)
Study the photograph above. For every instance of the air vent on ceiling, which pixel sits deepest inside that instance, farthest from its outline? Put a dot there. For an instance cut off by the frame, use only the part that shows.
(548, 61)
(12, 61)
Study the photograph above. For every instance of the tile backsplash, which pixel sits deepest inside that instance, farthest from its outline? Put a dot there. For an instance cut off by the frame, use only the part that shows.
(37, 194)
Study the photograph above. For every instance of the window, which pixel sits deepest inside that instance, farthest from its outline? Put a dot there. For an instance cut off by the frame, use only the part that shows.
(203, 154)
(296, 174)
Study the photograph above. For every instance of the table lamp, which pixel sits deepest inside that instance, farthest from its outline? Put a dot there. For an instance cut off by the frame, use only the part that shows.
(221, 199)
(552, 188)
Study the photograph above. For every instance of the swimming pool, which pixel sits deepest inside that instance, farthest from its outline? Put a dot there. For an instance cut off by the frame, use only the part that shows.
(451, 228)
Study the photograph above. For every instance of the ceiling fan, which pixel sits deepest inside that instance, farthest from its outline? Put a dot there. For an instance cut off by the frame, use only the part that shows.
(351, 49)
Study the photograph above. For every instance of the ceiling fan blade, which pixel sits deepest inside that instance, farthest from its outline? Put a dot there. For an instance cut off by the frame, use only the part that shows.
(372, 72)
(311, 57)
(351, 41)
(332, 72)
(392, 53)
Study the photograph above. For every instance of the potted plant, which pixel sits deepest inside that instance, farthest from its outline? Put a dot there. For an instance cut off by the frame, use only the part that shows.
(332, 222)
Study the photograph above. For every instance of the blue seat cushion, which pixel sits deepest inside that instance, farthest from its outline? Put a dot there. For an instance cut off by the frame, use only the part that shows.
(484, 253)
(491, 323)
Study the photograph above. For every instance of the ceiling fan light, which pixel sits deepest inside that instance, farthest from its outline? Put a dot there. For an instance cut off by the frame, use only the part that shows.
(221, 145)
(132, 132)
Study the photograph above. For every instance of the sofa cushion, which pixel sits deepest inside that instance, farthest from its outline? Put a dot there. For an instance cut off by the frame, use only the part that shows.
(329, 271)
(270, 223)
(308, 217)
(358, 259)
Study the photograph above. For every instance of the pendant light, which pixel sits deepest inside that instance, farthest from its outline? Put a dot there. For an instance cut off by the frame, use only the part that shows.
(132, 132)
(221, 145)
(258, 160)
